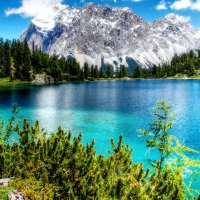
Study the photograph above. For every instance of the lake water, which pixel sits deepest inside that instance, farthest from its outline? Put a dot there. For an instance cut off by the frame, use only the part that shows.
(104, 109)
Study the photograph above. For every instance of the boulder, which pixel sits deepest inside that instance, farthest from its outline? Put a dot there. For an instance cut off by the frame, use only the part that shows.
(15, 195)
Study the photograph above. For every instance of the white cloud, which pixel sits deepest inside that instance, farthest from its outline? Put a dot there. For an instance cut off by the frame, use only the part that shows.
(186, 4)
(196, 5)
(136, 0)
(30, 8)
(161, 5)
(181, 4)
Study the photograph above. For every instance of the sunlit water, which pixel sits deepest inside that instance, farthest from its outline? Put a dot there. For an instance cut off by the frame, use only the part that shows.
(102, 110)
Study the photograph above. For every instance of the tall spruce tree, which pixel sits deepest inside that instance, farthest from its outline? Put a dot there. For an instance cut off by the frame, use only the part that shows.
(7, 59)
(18, 59)
(124, 71)
(1, 55)
(86, 70)
(92, 71)
(138, 72)
(102, 73)
(36, 60)
(26, 67)
(109, 71)
(96, 72)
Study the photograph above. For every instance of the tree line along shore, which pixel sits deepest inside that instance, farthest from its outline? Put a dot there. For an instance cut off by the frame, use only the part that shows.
(19, 64)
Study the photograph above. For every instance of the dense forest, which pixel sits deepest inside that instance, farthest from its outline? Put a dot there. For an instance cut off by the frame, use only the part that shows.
(18, 61)
(58, 166)
(186, 63)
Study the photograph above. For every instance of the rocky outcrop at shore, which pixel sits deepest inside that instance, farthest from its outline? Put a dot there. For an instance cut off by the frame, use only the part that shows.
(42, 78)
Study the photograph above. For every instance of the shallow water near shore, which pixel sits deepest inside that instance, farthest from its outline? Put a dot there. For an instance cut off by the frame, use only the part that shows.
(102, 110)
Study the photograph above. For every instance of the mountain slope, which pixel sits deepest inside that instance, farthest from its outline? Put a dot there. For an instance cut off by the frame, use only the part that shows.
(116, 36)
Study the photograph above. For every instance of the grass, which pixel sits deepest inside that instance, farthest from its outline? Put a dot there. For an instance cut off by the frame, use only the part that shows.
(6, 82)
(4, 192)
(185, 76)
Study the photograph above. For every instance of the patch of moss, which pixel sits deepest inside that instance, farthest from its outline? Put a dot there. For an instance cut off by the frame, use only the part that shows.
(6, 81)
(4, 192)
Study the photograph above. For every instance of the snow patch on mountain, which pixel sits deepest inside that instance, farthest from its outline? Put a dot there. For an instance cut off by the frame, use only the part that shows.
(116, 36)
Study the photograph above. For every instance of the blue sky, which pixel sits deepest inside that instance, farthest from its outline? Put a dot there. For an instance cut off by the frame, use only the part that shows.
(15, 15)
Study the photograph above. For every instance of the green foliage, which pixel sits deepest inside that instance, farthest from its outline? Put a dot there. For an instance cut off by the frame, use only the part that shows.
(121, 72)
(7, 59)
(96, 72)
(109, 71)
(102, 74)
(138, 72)
(86, 70)
(7, 128)
(186, 64)
(26, 66)
(4, 192)
(58, 166)
(6, 81)
(169, 146)
(158, 131)
(25, 63)
(35, 189)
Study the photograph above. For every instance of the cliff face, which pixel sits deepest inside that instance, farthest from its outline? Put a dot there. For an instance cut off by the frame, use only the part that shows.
(116, 36)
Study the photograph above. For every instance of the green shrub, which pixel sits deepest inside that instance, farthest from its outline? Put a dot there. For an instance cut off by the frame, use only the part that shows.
(61, 167)
(4, 192)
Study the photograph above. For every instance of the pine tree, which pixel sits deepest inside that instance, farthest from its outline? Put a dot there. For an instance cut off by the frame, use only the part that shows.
(191, 69)
(92, 71)
(1, 52)
(86, 70)
(26, 67)
(199, 53)
(124, 71)
(62, 63)
(82, 75)
(7, 59)
(45, 61)
(192, 54)
(109, 71)
(18, 59)
(96, 72)
(102, 74)
(138, 72)
(36, 60)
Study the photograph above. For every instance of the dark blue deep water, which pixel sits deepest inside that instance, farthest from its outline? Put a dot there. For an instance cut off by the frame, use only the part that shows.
(102, 110)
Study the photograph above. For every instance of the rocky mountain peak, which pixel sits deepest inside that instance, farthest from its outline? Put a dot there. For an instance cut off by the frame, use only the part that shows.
(112, 35)
(176, 19)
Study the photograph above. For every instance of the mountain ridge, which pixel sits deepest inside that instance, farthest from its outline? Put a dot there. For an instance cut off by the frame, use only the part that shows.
(116, 36)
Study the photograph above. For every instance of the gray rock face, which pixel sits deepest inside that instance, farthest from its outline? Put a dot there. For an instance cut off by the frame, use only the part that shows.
(116, 35)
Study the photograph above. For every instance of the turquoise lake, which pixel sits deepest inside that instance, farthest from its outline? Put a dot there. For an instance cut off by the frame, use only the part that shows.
(102, 110)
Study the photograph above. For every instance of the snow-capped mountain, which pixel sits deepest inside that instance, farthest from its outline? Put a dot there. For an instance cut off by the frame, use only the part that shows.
(117, 36)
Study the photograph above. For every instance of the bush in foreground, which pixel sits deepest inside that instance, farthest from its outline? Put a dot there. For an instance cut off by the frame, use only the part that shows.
(58, 166)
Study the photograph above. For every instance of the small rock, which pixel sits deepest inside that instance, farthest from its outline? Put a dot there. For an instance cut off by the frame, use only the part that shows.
(15, 195)
(4, 181)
